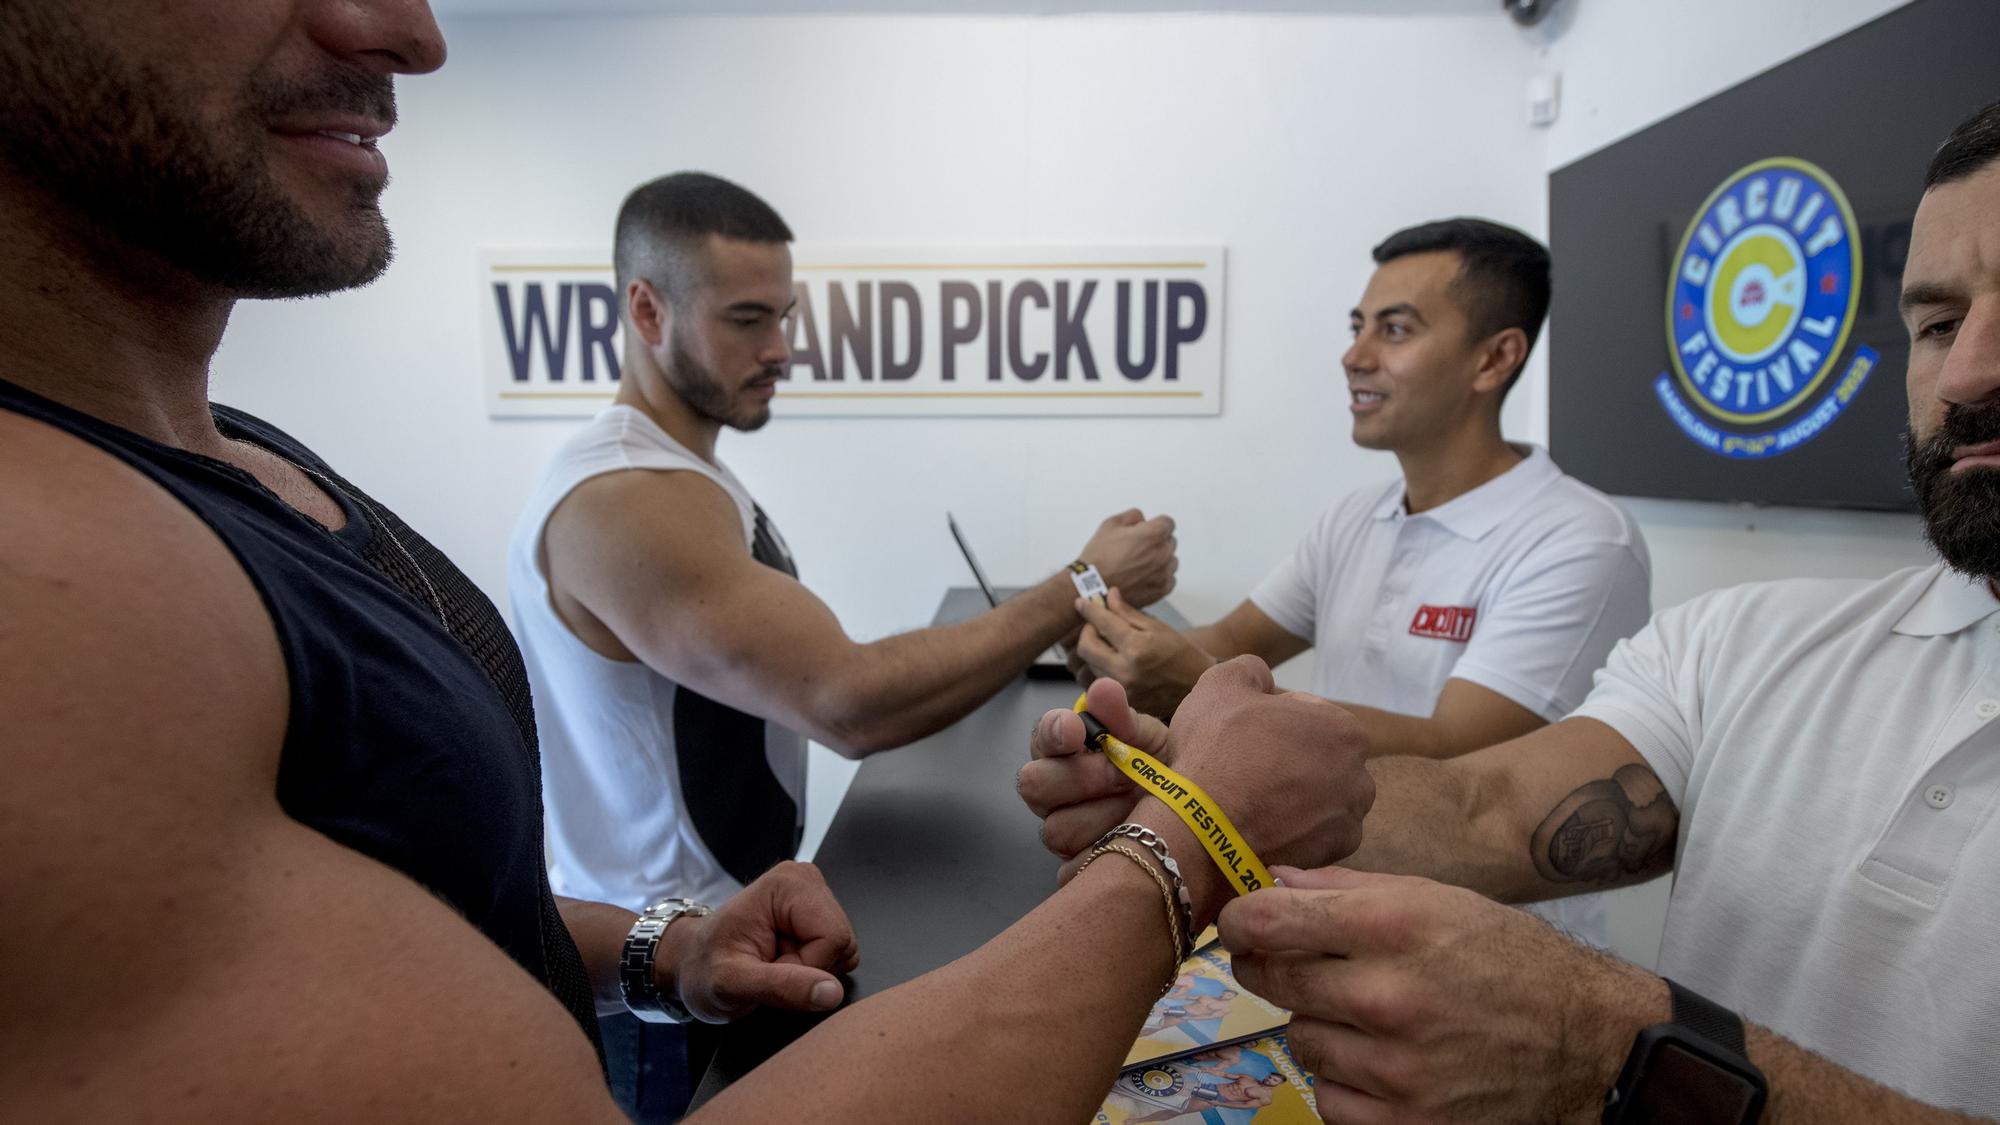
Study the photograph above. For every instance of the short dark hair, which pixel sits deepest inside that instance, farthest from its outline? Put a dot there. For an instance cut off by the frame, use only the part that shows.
(1973, 145)
(663, 223)
(1503, 275)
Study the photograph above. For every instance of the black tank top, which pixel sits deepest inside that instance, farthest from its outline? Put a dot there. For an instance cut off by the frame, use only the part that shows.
(411, 737)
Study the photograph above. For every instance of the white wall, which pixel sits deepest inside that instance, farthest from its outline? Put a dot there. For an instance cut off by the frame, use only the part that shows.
(1297, 140)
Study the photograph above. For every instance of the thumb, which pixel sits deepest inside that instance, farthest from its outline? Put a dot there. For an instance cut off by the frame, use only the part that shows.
(1115, 601)
(796, 987)
(1328, 878)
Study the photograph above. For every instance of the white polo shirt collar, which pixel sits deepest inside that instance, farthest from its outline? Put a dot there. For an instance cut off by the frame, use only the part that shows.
(1952, 603)
(1474, 515)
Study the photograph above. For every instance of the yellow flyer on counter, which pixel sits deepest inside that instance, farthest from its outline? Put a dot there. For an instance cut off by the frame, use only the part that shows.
(1205, 1008)
(1254, 1083)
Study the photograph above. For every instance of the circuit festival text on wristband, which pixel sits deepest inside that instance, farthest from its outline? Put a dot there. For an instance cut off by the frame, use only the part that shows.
(1218, 839)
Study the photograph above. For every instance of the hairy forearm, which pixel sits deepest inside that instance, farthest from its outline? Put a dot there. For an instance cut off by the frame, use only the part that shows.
(1612, 1001)
(896, 690)
(975, 1041)
(1805, 1087)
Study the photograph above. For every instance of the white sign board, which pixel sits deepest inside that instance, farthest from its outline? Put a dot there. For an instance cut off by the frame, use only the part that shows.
(1012, 330)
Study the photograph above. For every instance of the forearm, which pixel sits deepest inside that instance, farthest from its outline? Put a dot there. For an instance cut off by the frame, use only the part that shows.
(1613, 1001)
(1439, 821)
(896, 690)
(599, 931)
(975, 1041)
(1394, 735)
(1805, 1087)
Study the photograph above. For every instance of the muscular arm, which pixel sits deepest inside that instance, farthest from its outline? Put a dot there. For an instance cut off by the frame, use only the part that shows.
(652, 566)
(171, 938)
(1569, 808)
(958, 1044)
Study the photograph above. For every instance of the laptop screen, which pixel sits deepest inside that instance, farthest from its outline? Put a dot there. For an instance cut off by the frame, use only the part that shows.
(972, 561)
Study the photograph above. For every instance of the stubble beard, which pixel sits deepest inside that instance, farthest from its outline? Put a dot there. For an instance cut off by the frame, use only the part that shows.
(121, 146)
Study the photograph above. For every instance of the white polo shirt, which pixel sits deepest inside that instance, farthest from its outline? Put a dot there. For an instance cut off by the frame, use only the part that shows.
(1833, 750)
(1521, 586)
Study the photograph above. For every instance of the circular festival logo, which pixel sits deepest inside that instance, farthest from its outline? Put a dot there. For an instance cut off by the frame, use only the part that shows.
(1158, 1082)
(1762, 297)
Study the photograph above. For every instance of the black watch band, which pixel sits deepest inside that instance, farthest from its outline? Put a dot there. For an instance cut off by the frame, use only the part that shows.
(1696, 1068)
(1707, 1018)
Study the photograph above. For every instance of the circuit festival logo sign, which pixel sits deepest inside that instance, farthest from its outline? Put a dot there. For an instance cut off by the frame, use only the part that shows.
(1759, 307)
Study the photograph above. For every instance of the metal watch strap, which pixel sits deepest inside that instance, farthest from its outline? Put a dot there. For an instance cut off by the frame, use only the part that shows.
(1707, 1018)
(643, 996)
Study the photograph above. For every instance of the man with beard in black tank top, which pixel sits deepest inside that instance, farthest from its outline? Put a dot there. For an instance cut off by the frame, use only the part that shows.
(270, 759)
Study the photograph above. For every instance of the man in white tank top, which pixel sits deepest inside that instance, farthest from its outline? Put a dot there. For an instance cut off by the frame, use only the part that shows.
(678, 664)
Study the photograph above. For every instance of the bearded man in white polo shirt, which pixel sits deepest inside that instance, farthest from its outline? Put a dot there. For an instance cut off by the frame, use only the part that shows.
(1465, 602)
(1817, 761)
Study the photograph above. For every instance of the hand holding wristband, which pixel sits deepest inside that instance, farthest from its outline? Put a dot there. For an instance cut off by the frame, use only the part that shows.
(642, 950)
(1225, 845)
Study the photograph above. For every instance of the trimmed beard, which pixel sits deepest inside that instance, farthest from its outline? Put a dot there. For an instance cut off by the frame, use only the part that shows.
(1961, 511)
(703, 390)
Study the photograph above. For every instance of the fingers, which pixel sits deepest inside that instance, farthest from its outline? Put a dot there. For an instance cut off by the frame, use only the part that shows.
(1092, 650)
(1108, 624)
(1108, 700)
(1069, 831)
(1285, 918)
(1058, 735)
(1049, 785)
(1116, 603)
(1365, 995)
(1345, 1065)
(743, 982)
(1329, 878)
(1126, 518)
(804, 910)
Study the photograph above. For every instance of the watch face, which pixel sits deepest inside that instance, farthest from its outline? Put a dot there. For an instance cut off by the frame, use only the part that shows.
(1682, 1088)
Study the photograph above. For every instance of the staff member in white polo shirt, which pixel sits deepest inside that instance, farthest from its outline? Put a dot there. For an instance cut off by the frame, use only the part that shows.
(1817, 761)
(1467, 601)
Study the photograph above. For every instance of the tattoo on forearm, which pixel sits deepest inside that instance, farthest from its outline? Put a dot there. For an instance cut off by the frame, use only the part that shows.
(1608, 830)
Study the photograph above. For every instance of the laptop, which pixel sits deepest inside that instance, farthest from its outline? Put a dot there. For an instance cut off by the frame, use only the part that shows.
(1051, 664)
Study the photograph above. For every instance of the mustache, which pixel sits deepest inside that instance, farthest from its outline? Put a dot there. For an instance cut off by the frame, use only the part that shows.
(1961, 425)
(338, 88)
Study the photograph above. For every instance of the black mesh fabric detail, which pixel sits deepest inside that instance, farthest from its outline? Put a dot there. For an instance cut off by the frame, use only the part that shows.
(420, 570)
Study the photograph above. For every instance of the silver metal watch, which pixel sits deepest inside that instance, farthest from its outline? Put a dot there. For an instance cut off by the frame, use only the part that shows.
(642, 949)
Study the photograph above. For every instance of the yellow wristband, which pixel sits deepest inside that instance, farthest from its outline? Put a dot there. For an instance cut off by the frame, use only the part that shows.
(1224, 844)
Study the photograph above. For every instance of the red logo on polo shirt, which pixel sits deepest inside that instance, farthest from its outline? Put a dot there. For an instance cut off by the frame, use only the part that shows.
(1445, 622)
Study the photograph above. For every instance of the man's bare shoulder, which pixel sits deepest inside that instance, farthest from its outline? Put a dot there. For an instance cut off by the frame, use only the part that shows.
(123, 618)
(662, 512)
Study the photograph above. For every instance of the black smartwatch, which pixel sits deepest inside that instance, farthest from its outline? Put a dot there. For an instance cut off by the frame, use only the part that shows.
(1693, 1071)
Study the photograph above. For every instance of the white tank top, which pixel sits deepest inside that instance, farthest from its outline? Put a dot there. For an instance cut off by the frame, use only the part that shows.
(652, 790)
